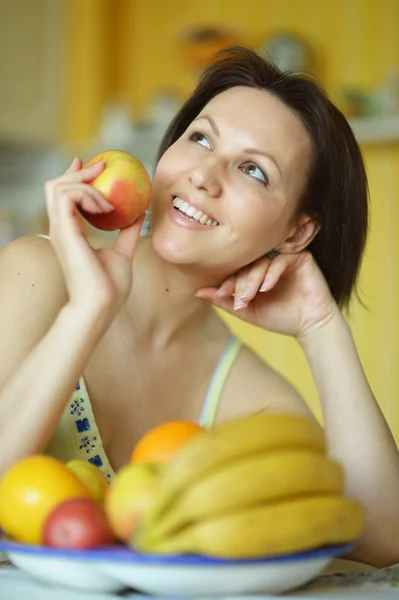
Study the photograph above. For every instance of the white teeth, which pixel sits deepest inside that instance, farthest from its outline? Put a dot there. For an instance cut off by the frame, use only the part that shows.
(191, 211)
(184, 206)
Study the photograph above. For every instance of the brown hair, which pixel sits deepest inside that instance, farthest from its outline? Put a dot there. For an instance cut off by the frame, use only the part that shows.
(336, 193)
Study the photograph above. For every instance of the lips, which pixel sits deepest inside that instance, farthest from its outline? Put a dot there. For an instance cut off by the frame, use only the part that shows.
(193, 210)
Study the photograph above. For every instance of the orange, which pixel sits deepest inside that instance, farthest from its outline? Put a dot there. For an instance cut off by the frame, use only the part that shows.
(161, 443)
(30, 490)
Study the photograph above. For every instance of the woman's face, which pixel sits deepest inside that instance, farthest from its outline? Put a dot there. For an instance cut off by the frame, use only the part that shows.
(227, 191)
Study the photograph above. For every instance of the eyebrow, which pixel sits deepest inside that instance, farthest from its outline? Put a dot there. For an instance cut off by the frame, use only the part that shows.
(211, 123)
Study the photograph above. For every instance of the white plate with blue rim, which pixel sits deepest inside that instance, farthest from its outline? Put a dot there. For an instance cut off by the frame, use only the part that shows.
(115, 568)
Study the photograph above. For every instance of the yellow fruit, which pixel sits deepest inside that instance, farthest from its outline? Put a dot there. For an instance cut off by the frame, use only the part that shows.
(30, 490)
(250, 481)
(275, 528)
(130, 495)
(231, 441)
(91, 476)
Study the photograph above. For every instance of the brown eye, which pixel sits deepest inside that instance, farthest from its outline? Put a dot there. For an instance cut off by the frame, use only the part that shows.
(199, 138)
(254, 171)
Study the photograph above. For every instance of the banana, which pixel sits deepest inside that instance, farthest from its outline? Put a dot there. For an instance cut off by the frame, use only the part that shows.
(231, 440)
(277, 528)
(255, 479)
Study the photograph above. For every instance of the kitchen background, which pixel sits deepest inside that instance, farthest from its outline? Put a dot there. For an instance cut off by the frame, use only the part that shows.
(80, 76)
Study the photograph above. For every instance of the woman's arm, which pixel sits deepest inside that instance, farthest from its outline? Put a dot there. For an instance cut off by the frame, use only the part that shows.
(357, 436)
(54, 311)
(43, 348)
(298, 302)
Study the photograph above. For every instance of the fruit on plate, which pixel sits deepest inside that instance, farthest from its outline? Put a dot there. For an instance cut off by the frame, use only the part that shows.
(250, 481)
(256, 486)
(129, 497)
(79, 523)
(30, 490)
(91, 476)
(126, 185)
(162, 442)
(273, 528)
(234, 440)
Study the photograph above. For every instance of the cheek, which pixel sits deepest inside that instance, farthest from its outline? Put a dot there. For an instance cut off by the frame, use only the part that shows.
(255, 211)
(257, 224)
(162, 171)
(171, 165)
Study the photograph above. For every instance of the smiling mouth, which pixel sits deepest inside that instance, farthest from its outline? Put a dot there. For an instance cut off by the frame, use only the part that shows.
(193, 213)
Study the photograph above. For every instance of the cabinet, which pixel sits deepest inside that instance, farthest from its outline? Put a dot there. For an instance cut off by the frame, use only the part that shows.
(31, 69)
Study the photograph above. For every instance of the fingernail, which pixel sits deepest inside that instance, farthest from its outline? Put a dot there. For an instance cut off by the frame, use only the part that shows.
(265, 285)
(238, 304)
(220, 292)
(246, 293)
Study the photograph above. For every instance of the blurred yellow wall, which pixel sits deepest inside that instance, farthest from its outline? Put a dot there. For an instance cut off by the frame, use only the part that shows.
(354, 43)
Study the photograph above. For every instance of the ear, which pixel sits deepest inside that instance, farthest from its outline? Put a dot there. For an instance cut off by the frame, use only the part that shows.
(303, 232)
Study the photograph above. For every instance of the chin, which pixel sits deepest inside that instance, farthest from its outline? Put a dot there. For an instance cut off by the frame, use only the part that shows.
(174, 244)
(173, 249)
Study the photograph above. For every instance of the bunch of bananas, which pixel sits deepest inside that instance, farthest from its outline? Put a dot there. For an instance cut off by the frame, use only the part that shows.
(256, 486)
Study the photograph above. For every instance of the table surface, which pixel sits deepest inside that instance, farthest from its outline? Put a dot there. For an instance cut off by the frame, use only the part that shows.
(341, 578)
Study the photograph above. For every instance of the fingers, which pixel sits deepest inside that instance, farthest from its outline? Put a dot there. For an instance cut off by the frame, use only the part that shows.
(276, 269)
(83, 175)
(62, 196)
(226, 290)
(75, 165)
(260, 276)
(211, 295)
(128, 238)
(249, 282)
(75, 174)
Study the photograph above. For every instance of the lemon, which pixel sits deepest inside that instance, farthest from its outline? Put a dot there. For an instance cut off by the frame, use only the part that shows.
(91, 476)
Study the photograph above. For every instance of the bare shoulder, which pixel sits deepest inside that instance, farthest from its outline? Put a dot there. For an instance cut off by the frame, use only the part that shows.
(253, 386)
(28, 261)
(32, 293)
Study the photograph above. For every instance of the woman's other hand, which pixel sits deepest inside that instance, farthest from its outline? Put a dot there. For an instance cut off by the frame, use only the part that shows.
(287, 294)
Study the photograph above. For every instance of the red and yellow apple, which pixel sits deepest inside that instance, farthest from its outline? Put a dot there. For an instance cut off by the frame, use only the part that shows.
(130, 496)
(126, 185)
(77, 523)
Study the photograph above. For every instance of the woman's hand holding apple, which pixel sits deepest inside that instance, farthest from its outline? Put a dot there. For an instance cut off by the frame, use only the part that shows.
(98, 281)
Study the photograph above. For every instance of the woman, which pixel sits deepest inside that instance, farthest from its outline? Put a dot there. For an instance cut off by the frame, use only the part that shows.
(260, 208)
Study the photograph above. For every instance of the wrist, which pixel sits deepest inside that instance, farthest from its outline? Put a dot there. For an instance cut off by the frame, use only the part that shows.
(89, 321)
(325, 331)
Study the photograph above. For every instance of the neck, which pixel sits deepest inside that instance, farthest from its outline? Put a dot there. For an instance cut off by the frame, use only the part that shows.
(163, 298)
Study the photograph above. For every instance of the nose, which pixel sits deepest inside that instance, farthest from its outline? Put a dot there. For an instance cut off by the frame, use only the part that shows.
(207, 177)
